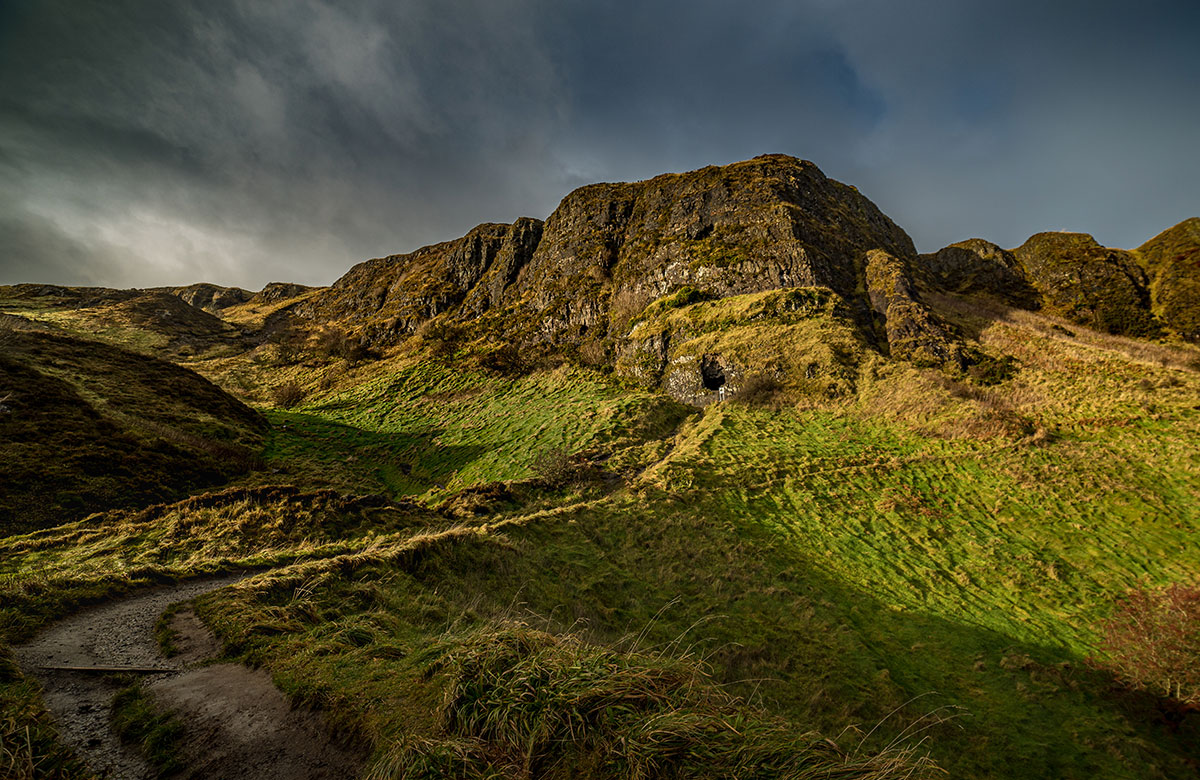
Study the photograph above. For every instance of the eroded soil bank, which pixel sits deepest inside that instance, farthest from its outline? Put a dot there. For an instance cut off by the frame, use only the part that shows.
(237, 724)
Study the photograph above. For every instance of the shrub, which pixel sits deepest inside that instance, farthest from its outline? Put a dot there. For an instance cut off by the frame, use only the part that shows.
(507, 360)
(288, 394)
(1153, 641)
(593, 353)
(557, 467)
(288, 343)
(336, 343)
(986, 370)
(441, 337)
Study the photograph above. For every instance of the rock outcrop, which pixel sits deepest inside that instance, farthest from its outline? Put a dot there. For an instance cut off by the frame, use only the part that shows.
(587, 275)
(279, 291)
(1129, 293)
(976, 266)
(386, 299)
(1172, 258)
(1092, 285)
(773, 222)
(211, 297)
(914, 333)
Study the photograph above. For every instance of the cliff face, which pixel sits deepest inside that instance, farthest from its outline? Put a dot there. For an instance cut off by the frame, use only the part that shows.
(609, 251)
(386, 299)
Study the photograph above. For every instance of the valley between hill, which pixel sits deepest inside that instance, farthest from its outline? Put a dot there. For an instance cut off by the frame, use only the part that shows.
(709, 476)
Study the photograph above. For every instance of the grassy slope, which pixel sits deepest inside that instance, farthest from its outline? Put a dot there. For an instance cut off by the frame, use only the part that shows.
(89, 426)
(427, 429)
(831, 563)
(856, 557)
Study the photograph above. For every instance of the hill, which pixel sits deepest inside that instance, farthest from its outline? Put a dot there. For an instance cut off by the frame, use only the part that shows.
(87, 426)
(1142, 292)
(611, 253)
(691, 476)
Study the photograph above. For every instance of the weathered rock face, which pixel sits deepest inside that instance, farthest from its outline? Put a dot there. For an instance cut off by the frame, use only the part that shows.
(211, 297)
(586, 277)
(1090, 284)
(278, 291)
(913, 332)
(609, 250)
(772, 222)
(1172, 258)
(387, 298)
(976, 266)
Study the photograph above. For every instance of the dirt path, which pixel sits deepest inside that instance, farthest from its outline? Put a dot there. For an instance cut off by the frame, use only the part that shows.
(237, 724)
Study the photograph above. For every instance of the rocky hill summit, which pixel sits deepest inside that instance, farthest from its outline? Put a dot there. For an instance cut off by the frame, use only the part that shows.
(651, 277)
(598, 275)
(1145, 292)
(763, 272)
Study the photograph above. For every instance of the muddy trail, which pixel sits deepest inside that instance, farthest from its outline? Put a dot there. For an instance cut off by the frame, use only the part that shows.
(236, 723)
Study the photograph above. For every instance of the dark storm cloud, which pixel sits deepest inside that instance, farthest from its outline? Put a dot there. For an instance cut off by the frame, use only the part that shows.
(243, 141)
(249, 141)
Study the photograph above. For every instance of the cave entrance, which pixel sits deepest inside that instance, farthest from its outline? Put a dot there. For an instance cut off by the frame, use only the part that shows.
(712, 376)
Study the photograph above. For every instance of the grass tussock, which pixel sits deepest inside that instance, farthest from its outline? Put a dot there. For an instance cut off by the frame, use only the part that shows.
(28, 745)
(157, 735)
(521, 703)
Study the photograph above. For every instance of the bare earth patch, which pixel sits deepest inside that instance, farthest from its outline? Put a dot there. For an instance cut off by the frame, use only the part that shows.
(237, 724)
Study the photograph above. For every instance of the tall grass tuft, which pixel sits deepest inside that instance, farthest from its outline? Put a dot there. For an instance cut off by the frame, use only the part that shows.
(522, 703)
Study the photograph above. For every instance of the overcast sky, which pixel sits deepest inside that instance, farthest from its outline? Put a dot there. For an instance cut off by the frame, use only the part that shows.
(246, 141)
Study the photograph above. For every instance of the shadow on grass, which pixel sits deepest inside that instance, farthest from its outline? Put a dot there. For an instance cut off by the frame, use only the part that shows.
(404, 463)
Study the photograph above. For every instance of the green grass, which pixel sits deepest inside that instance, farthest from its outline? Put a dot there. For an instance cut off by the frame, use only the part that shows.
(428, 430)
(155, 734)
(822, 628)
(921, 557)
(838, 563)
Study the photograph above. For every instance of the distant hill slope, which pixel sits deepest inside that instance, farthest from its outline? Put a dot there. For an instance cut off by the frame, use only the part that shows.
(88, 426)
(156, 322)
(1173, 260)
(1143, 292)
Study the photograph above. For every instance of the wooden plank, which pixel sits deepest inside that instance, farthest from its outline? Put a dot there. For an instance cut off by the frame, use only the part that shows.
(111, 669)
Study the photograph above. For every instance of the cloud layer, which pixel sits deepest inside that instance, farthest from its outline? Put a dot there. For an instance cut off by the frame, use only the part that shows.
(242, 141)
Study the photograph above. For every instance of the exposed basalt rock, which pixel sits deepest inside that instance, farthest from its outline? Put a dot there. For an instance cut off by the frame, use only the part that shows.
(976, 266)
(768, 223)
(387, 298)
(279, 291)
(211, 297)
(1092, 285)
(701, 379)
(1172, 258)
(914, 333)
(586, 276)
